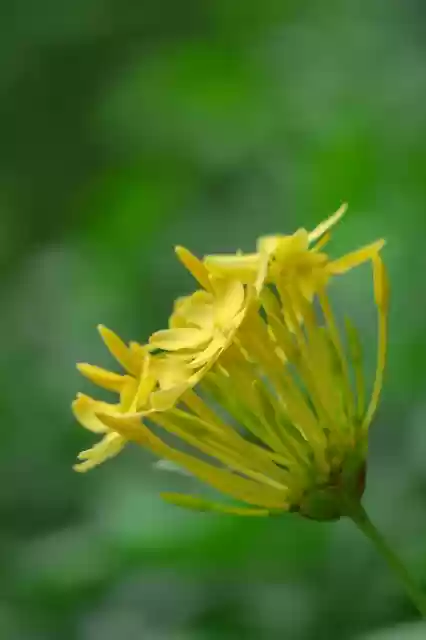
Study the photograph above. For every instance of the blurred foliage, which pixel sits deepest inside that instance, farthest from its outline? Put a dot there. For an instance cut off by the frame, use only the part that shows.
(127, 127)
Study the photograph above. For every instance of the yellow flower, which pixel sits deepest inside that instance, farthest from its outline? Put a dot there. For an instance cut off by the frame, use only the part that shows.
(133, 388)
(256, 381)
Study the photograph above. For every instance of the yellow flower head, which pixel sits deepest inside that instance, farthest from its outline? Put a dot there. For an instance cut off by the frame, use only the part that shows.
(254, 376)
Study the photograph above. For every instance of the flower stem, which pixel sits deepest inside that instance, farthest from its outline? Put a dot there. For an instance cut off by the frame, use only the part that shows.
(358, 514)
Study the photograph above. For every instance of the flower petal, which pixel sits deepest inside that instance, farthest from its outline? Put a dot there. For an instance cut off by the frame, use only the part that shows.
(239, 267)
(195, 310)
(175, 339)
(172, 371)
(108, 447)
(284, 248)
(229, 302)
(128, 395)
(166, 398)
(210, 353)
(195, 267)
(85, 408)
(355, 258)
(102, 377)
(127, 357)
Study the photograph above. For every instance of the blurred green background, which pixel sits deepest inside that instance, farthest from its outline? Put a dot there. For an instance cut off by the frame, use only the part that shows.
(126, 127)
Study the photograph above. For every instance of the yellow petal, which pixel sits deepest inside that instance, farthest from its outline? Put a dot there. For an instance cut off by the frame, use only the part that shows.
(262, 274)
(167, 398)
(238, 267)
(169, 394)
(210, 353)
(200, 504)
(85, 408)
(140, 350)
(102, 377)
(128, 358)
(355, 258)
(268, 244)
(146, 386)
(229, 302)
(195, 310)
(171, 371)
(323, 227)
(108, 447)
(128, 394)
(194, 266)
(174, 339)
(286, 247)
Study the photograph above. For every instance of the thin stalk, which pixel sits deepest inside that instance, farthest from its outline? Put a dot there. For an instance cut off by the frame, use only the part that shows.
(358, 514)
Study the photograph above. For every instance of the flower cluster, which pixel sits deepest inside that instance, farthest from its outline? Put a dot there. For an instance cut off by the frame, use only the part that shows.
(254, 377)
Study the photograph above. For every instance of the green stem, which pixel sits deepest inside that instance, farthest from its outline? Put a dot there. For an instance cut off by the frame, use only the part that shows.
(363, 522)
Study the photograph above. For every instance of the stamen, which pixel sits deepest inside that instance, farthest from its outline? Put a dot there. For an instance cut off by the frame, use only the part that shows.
(201, 409)
(355, 350)
(318, 365)
(381, 292)
(224, 480)
(289, 395)
(323, 227)
(229, 449)
(256, 341)
(200, 504)
(294, 308)
(235, 403)
(322, 242)
(335, 338)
